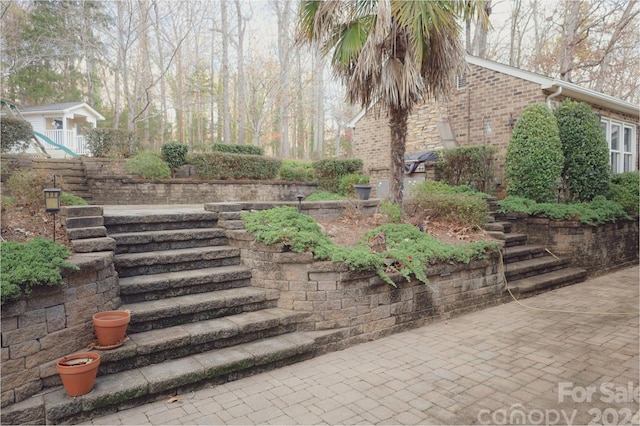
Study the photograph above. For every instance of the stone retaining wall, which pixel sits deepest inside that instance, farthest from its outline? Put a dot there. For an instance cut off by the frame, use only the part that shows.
(53, 322)
(122, 190)
(598, 249)
(360, 305)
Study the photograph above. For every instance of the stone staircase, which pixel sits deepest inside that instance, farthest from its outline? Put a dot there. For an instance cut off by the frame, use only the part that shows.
(529, 269)
(195, 319)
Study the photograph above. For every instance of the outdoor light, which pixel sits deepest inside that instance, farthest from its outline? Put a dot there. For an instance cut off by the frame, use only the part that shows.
(52, 200)
(52, 203)
(487, 121)
(299, 197)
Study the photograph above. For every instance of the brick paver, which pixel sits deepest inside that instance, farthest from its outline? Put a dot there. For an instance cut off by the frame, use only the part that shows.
(537, 364)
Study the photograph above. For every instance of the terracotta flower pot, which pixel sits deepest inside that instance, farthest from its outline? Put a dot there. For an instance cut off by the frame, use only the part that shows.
(78, 372)
(111, 327)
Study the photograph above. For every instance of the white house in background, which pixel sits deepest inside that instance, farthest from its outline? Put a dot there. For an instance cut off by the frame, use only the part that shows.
(63, 124)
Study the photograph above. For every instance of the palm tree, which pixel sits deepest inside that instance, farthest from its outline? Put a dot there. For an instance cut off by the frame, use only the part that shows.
(390, 54)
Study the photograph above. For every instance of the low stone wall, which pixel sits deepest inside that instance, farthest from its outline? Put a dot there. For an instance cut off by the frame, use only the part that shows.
(598, 249)
(123, 190)
(53, 322)
(319, 210)
(360, 305)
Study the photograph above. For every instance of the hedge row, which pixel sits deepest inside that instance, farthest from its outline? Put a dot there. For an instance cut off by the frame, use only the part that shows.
(222, 165)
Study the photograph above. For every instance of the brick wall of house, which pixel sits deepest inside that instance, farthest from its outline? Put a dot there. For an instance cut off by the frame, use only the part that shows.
(489, 96)
(372, 144)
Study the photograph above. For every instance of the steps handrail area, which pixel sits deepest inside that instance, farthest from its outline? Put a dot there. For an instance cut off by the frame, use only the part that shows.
(54, 144)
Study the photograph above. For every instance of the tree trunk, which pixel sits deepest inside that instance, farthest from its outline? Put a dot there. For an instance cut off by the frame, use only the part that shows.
(241, 108)
(568, 45)
(225, 75)
(398, 126)
(318, 93)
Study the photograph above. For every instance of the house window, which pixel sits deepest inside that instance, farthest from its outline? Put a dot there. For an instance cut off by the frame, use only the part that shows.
(621, 139)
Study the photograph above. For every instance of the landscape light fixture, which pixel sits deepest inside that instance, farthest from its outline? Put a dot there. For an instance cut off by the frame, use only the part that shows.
(52, 203)
(299, 197)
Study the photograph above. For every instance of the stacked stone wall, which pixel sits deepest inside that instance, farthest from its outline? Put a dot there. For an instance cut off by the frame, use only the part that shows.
(598, 249)
(53, 322)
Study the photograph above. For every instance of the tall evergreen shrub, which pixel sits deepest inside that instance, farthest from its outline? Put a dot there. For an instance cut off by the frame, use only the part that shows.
(534, 157)
(586, 171)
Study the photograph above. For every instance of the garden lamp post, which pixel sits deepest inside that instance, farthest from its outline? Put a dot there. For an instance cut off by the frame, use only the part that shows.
(299, 197)
(52, 203)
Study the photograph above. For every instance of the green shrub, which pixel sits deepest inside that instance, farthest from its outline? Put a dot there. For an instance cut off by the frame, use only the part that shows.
(345, 185)
(586, 171)
(392, 212)
(14, 134)
(407, 250)
(469, 165)
(147, 165)
(112, 143)
(596, 212)
(329, 171)
(67, 199)
(237, 149)
(175, 154)
(534, 156)
(31, 264)
(324, 196)
(296, 171)
(459, 204)
(625, 190)
(221, 165)
(27, 189)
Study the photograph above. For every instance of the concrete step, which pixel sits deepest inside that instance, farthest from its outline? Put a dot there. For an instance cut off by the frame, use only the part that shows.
(155, 346)
(535, 266)
(530, 286)
(158, 262)
(156, 314)
(511, 240)
(135, 387)
(516, 253)
(139, 242)
(141, 288)
(497, 227)
(117, 224)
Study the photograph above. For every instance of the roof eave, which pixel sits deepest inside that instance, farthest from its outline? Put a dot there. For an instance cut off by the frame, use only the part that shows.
(591, 96)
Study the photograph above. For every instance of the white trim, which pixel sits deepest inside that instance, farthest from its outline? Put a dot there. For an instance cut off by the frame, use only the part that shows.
(352, 123)
(621, 125)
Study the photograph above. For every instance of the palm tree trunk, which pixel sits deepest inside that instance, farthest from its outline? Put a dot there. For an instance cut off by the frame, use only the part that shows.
(398, 125)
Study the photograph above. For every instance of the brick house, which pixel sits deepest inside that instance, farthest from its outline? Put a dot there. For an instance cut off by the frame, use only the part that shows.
(482, 110)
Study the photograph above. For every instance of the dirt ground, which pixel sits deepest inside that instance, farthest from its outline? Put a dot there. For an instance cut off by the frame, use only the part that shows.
(20, 225)
(348, 230)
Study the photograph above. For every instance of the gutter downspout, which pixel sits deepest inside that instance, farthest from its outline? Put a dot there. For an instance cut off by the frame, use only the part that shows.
(553, 95)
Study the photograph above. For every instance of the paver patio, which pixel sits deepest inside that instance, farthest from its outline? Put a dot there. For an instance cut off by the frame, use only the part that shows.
(557, 360)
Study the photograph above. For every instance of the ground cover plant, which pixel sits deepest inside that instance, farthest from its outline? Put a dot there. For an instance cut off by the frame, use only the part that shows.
(598, 211)
(31, 264)
(387, 249)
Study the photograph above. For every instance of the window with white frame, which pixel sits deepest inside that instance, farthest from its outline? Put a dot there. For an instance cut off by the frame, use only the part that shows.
(621, 139)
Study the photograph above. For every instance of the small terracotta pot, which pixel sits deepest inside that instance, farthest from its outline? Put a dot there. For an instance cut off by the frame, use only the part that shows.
(111, 327)
(78, 372)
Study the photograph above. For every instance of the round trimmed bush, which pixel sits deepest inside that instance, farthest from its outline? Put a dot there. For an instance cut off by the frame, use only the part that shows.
(147, 165)
(586, 171)
(534, 156)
